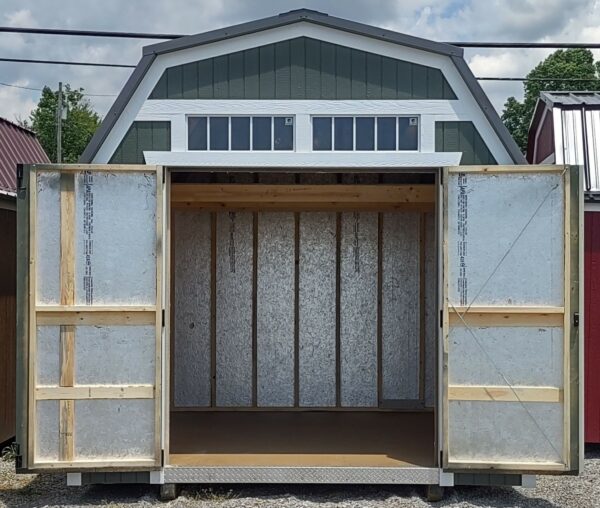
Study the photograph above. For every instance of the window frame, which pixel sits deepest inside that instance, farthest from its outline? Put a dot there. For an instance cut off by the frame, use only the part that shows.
(366, 115)
(208, 116)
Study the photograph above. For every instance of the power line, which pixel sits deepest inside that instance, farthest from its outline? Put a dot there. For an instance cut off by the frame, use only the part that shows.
(61, 62)
(527, 45)
(41, 90)
(146, 35)
(88, 33)
(485, 78)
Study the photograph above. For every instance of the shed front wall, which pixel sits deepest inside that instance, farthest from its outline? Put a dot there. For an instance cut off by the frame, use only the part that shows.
(423, 98)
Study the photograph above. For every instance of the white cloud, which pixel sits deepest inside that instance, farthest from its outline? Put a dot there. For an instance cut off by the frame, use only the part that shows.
(522, 20)
(15, 103)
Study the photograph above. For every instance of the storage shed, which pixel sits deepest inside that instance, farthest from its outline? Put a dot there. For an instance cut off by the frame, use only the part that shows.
(269, 267)
(565, 129)
(17, 145)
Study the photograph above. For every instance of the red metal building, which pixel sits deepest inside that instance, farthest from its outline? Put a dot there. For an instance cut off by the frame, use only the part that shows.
(565, 129)
(17, 145)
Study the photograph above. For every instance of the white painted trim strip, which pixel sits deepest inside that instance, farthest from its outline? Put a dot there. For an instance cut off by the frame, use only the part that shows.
(303, 160)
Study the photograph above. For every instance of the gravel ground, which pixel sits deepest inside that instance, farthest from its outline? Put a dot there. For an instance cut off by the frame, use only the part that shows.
(50, 490)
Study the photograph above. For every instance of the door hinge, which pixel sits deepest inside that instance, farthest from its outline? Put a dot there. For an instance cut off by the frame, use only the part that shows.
(441, 319)
(20, 189)
(18, 457)
(162, 458)
(576, 319)
(163, 317)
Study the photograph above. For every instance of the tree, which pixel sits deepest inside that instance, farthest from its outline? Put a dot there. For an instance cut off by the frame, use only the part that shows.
(570, 63)
(77, 130)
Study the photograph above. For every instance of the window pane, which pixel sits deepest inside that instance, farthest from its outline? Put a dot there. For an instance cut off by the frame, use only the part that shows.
(284, 132)
(322, 133)
(344, 133)
(261, 133)
(240, 133)
(365, 133)
(408, 133)
(197, 133)
(386, 133)
(219, 133)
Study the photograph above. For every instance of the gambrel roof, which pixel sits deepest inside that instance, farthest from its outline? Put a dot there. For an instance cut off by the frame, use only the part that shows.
(150, 53)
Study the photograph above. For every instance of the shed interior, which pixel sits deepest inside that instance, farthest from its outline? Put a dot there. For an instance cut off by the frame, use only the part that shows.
(303, 319)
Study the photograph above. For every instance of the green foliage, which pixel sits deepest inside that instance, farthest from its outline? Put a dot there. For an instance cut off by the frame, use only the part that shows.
(77, 130)
(570, 63)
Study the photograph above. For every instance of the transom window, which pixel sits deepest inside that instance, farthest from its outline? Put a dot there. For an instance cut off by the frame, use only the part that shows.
(241, 133)
(383, 133)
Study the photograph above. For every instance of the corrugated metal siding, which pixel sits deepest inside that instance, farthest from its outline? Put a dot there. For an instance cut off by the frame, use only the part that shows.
(17, 145)
(462, 137)
(592, 124)
(592, 326)
(302, 68)
(155, 136)
(572, 136)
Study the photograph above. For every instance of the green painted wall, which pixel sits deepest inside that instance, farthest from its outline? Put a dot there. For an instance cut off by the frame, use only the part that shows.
(462, 137)
(155, 136)
(302, 68)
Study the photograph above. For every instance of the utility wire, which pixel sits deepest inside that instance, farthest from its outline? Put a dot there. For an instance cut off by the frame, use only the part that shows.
(61, 62)
(41, 90)
(88, 33)
(145, 35)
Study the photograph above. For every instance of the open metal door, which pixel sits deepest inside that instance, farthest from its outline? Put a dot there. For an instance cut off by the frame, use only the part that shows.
(510, 369)
(93, 335)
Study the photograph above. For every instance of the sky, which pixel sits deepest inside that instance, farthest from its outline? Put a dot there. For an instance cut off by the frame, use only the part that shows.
(441, 20)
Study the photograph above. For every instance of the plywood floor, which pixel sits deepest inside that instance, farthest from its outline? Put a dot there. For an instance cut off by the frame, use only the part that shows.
(256, 438)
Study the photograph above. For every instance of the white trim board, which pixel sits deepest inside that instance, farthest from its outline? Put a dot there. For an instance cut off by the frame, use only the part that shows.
(304, 160)
(466, 102)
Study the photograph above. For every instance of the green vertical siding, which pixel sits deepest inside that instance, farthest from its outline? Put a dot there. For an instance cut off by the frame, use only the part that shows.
(151, 136)
(302, 68)
(462, 137)
(297, 69)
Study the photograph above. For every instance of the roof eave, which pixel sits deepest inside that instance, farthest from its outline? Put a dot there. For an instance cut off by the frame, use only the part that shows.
(297, 16)
(489, 111)
(109, 121)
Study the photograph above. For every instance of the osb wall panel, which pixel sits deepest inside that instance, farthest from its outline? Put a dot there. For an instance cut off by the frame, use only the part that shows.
(400, 306)
(296, 317)
(527, 276)
(234, 252)
(316, 307)
(47, 253)
(506, 432)
(191, 374)
(358, 309)
(275, 299)
(103, 241)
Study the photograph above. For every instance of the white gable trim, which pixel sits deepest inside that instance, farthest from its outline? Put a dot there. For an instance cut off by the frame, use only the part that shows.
(303, 160)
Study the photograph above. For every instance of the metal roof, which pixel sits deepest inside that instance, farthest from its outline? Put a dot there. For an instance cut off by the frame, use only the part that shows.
(296, 16)
(17, 145)
(571, 98)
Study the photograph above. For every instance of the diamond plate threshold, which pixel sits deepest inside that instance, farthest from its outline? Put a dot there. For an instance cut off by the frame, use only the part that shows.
(357, 475)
